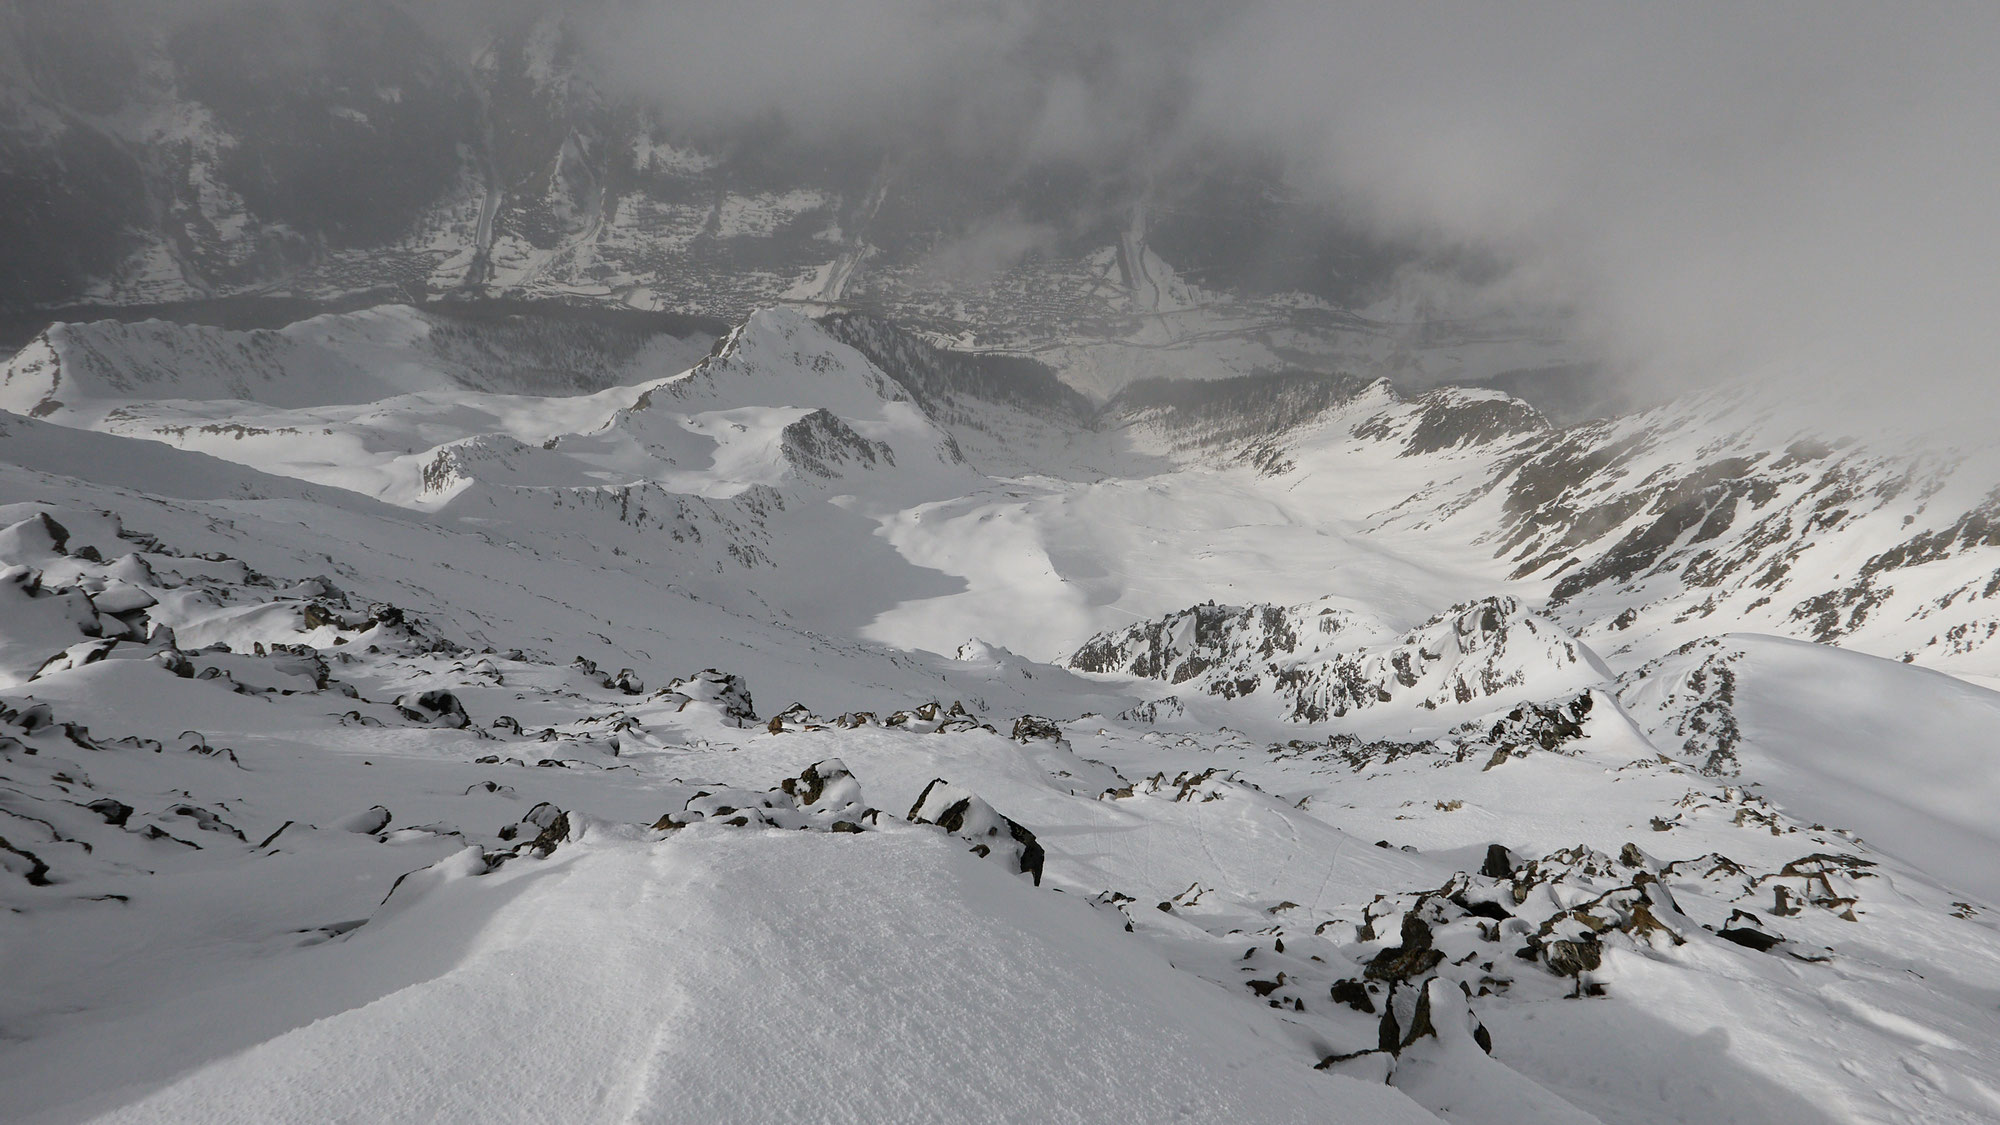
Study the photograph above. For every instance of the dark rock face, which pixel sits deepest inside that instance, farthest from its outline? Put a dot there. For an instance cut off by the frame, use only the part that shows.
(378, 145)
(1449, 418)
(1749, 938)
(115, 813)
(1412, 958)
(1218, 414)
(938, 380)
(821, 445)
(1354, 994)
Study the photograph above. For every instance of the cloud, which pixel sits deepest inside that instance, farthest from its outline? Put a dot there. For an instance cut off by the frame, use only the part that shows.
(1783, 190)
(991, 246)
(1796, 189)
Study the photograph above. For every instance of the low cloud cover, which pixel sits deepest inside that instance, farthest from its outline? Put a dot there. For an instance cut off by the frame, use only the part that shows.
(1711, 191)
(1717, 191)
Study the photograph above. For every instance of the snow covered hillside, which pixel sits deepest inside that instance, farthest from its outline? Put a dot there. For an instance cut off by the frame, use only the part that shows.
(413, 718)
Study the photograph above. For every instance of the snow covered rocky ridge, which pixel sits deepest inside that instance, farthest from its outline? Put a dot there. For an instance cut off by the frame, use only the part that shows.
(839, 729)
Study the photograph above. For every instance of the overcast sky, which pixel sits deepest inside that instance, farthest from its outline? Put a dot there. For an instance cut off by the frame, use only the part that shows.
(1768, 188)
(1773, 189)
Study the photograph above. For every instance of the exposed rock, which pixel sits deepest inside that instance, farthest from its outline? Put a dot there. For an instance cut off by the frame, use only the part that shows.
(934, 718)
(1413, 958)
(33, 541)
(115, 813)
(1166, 707)
(962, 813)
(436, 708)
(1034, 727)
(795, 718)
(366, 823)
(1568, 957)
(1354, 994)
(724, 691)
(1478, 650)
(824, 797)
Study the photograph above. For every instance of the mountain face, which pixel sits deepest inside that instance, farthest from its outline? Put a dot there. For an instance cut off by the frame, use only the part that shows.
(1472, 653)
(1283, 746)
(247, 151)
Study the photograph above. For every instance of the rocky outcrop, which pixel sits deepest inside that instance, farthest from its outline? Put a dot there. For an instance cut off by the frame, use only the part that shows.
(1214, 642)
(725, 692)
(824, 797)
(1487, 650)
(821, 445)
(962, 813)
(1686, 702)
(435, 708)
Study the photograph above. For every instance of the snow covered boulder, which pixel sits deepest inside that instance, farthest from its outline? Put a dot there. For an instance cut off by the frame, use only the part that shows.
(827, 792)
(468, 862)
(366, 823)
(75, 656)
(824, 797)
(723, 691)
(1035, 728)
(117, 597)
(934, 718)
(1547, 725)
(538, 834)
(962, 813)
(797, 717)
(35, 541)
(434, 708)
(37, 624)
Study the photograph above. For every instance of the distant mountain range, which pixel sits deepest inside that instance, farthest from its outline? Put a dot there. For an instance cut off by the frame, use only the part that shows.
(329, 154)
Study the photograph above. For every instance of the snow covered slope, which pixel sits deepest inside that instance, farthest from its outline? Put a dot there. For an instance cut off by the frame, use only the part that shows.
(1903, 755)
(491, 735)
